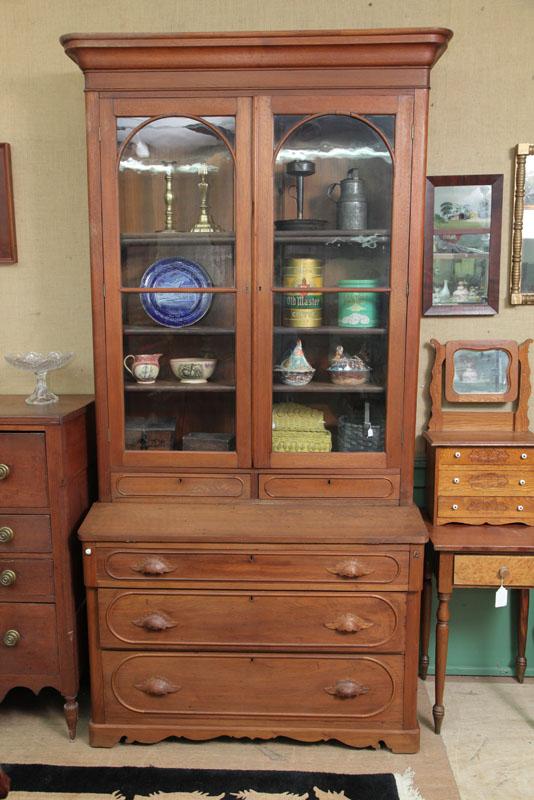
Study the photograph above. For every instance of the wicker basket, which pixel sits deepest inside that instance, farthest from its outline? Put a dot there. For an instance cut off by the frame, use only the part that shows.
(354, 436)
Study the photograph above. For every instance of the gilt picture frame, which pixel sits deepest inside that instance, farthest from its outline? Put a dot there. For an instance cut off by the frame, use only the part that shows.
(463, 217)
(522, 256)
(8, 241)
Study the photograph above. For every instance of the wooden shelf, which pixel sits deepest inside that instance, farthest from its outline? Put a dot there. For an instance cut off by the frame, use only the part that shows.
(176, 386)
(319, 387)
(331, 236)
(150, 330)
(131, 239)
(329, 329)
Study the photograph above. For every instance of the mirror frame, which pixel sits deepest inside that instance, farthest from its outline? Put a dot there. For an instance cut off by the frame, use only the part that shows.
(517, 297)
(507, 346)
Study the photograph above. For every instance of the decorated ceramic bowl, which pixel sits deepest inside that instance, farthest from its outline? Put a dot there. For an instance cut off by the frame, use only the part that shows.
(193, 370)
(348, 370)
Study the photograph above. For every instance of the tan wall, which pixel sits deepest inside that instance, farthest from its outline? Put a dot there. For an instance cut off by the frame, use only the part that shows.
(481, 106)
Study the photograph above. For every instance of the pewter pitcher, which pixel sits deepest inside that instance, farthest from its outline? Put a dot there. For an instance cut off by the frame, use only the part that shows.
(352, 202)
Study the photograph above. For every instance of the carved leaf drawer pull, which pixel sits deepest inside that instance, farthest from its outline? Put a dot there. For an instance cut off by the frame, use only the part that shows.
(346, 689)
(157, 686)
(153, 566)
(348, 623)
(351, 568)
(157, 621)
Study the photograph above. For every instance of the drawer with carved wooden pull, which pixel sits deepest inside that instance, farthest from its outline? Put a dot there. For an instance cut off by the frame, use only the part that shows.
(495, 481)
(23, 480)
(494, 570)
(517, 509)
(215, 685)
(26, 578)
(240, 620)
(488, 456)
(28, 639)
(363, 566)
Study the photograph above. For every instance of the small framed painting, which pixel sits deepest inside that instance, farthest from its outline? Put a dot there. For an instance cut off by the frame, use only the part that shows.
(462, 245)
(8, 243)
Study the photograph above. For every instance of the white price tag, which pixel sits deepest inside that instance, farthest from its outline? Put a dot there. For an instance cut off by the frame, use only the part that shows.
(501, 597)
(369, 432)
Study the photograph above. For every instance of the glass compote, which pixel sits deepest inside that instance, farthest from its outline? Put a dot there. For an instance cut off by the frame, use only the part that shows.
(40, 364)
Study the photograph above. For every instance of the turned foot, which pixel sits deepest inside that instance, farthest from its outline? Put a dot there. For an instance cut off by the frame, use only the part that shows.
(423, 667)
(70, 710)
(438, 712)
(522, 631)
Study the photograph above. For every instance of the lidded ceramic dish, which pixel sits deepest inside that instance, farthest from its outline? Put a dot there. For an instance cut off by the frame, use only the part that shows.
(348, 370)
(295, 369)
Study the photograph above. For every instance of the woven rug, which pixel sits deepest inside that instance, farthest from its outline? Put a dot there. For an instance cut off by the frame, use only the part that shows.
(36, 781)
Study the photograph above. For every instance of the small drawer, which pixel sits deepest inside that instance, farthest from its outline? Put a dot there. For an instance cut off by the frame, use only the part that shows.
(22, 533)
(486, 481)
(23, 479)
(296, 486)
(215, 685)
(359, 567)
(23, 579)
(494, 570)
(517, 509)
(490, 456)
(183, 486)
(28, 639)
(256, 621)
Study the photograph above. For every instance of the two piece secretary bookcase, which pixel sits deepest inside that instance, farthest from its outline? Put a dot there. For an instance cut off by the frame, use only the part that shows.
(253, 565)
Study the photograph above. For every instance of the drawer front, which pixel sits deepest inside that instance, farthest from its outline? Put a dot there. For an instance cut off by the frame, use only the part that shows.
(494, 481)
(518, 509)
(324, 486)
(494, 570)
(24, 456)
(251, 621)
(490, 456)
(232, 486)
(25, 533)
(362, 567)
(157, 685)
(26, 578)
(31, 630)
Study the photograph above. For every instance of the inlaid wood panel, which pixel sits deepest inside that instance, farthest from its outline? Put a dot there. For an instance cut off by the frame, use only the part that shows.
(155, 619)
(516, 508)
(493, 570)
(161, 685)
(489, 456)
(26, 578)
(24, 456)
(281, 486)
(36, 650)
(364, 566)
(25, 533)
(486, 480)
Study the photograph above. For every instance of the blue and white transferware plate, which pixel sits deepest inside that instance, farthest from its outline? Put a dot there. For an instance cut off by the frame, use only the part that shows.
(175, 310)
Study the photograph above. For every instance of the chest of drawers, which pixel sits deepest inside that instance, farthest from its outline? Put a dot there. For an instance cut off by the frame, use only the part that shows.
(45, 490)
(477, 483)
(260, 622)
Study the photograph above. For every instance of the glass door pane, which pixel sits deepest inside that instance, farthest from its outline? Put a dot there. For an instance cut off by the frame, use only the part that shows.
(176, 201)
(333, 183)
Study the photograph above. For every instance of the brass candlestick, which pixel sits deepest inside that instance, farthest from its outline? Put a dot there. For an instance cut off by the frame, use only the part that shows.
(205, 222)
(169, 198)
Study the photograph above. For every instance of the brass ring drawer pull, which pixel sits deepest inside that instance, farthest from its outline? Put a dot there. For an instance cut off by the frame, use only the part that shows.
(4, 472)
(346, 689)
(11, 638)
(8, 577)
(351, 568)
(156, 686)
(6, 535)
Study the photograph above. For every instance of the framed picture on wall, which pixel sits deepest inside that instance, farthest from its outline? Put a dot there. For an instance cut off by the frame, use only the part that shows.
(8, 242)
(463, 217)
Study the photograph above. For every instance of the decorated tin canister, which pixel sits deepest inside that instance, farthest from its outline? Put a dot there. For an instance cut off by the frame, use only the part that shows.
(358, 309)
(303, 310)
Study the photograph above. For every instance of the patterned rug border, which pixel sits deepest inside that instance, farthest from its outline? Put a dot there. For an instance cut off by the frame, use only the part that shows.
(135, 783)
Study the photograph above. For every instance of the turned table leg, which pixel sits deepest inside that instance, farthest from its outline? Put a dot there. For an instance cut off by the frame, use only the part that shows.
(70, 710)
(522, 630)
(426, 610)
(445, 572)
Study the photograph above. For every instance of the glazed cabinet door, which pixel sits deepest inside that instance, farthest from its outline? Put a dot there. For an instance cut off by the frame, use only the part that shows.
(176, 202)
(332, 256)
